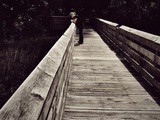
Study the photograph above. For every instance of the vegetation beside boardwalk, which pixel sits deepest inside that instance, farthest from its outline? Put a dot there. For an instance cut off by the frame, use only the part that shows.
(18, 59)
(26, 34)
(25, 38)
(139, 14)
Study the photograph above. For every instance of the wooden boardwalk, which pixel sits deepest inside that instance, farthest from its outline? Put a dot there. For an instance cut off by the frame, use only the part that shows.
(102, 88)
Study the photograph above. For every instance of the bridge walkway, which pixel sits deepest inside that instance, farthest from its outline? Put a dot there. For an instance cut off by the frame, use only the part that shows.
(102, 88)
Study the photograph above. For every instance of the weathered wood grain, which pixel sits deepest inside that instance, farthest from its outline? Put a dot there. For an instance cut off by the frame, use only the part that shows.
(147, 39)
(140, 48)
(102, 88)
(42, 94)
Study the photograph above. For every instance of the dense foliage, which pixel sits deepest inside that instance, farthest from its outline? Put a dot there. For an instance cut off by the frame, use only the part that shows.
(25, 24)
(25, 37)
(28, 15)
(22, 16)
(140, 14)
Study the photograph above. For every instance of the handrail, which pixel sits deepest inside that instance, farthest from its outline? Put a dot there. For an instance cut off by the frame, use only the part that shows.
(141, 49)
(42, 95)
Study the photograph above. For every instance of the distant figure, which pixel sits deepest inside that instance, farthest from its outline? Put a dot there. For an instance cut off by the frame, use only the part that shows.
(79, 24)
(72, 14)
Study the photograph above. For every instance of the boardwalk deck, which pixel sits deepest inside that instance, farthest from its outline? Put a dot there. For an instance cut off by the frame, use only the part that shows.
(102, 88)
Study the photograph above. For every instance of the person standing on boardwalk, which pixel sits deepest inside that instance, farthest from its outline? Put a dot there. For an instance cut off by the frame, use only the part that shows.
(77, 19)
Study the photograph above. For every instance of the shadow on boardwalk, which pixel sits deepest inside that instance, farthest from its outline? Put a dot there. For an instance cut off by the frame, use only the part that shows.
(142, 81)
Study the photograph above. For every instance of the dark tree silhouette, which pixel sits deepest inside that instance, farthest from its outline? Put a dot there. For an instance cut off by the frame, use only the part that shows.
(22, 15)
(139, 14)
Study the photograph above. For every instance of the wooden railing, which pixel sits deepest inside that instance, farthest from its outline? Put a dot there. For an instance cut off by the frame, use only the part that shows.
(141, 49)
(42, 94)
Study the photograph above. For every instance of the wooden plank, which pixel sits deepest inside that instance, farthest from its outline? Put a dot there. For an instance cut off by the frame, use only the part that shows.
(143, 51)
(153, 70)
(143, 73)
(101, 87)
(35, 97)
(141, 37)
(109, 23)
(29, 98)
(144, 63)
(111, 115)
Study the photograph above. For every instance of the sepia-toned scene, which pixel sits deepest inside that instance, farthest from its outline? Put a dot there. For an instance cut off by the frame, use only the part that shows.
(79, 60)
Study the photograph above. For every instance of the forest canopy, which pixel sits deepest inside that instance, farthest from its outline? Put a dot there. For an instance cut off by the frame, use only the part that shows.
(26, 34)
(19, 15)
(139, 14)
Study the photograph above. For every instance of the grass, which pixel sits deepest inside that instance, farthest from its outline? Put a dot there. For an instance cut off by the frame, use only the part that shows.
(17, 60)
